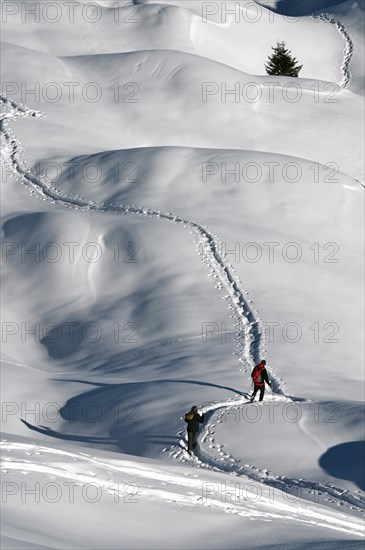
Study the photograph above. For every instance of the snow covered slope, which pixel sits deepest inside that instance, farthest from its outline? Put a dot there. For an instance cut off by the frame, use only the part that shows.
(349, 19)
(241, 40)
(160, 235)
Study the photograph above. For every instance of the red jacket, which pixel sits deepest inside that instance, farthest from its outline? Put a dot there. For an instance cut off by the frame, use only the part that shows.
(259, 375)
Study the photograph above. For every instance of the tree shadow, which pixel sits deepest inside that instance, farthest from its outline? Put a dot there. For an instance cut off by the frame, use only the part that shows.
(346, 461)
(113, 413)
(76, 437)
(109, 395)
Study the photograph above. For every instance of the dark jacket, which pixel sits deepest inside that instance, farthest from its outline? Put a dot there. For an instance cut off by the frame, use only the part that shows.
(193, 424)
(264, 376)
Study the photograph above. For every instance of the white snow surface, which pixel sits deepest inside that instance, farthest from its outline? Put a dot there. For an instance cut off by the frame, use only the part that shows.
(158, 239)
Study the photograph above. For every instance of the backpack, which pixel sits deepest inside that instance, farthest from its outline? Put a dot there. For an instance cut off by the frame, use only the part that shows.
(256, 375)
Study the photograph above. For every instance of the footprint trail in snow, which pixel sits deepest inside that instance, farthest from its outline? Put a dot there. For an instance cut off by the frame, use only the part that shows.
(250, 335)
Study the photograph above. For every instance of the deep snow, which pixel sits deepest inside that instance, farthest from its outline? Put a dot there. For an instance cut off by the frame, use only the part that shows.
(159, 282)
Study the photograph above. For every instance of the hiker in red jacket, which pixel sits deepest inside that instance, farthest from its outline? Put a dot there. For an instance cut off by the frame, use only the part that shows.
(259, 377)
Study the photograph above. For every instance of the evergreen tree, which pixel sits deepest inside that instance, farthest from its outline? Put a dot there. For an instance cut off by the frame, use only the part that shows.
(281, 62)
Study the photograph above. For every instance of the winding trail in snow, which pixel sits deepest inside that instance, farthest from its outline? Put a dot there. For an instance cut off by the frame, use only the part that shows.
(348, 46)
(250, 332)
(250, 335)
(212, 455)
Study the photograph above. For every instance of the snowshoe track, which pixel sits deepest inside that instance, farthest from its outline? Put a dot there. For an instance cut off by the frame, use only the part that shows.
(250, 335)
(348, 47)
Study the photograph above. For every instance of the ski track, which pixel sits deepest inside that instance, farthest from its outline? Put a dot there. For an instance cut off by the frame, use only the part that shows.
(348, 47)
(112, 478)
(250, 337)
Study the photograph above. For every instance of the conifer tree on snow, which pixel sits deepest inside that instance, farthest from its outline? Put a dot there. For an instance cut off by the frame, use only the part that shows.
(281, 62)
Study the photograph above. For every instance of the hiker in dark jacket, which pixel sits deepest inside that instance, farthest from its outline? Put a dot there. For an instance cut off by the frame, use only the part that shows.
(259, 377)
(193, 419)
